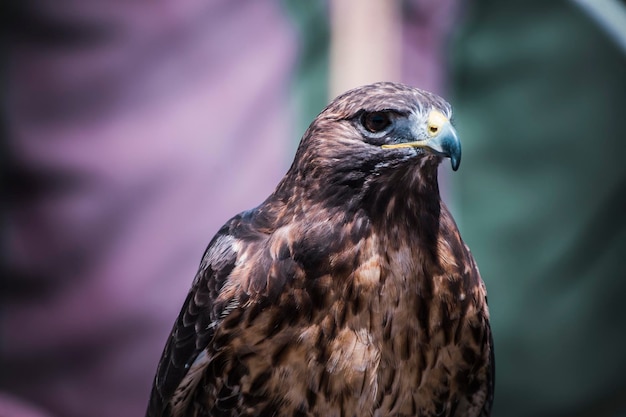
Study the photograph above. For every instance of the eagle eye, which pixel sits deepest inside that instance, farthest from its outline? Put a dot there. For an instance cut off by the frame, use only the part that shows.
(376, 121)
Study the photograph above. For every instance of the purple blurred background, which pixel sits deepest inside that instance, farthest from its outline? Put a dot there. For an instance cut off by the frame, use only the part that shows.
(134, 131)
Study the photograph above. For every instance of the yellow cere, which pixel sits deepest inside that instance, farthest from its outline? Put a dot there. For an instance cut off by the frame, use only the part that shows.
(436, 119)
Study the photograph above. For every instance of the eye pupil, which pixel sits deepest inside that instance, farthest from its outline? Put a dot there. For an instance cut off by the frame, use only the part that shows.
(376, 121)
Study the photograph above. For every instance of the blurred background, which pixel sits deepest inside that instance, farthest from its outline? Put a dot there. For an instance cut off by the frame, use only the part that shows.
(133, 130)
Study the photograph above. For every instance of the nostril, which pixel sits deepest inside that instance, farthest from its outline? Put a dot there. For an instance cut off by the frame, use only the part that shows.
(433, 129)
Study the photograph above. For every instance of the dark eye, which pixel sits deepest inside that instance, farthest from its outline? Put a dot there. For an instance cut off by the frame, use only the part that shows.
(376, 121)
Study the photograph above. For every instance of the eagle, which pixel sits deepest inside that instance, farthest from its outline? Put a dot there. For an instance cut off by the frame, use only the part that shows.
(348, 291)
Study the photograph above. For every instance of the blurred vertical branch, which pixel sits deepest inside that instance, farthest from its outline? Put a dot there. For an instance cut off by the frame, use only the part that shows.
(365, 43)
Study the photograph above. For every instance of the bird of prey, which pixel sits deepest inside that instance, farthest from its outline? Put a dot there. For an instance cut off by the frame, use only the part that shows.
(348, 291)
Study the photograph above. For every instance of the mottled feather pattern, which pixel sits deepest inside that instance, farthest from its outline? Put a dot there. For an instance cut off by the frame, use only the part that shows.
(348, 292)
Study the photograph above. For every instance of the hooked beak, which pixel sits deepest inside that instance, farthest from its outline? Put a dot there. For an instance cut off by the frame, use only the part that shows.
(443, 140)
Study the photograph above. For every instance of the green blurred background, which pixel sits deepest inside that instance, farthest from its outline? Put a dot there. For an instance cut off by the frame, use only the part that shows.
(539, 90)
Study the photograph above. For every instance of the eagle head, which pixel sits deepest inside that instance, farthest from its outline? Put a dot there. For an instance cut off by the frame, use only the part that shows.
(380, 125)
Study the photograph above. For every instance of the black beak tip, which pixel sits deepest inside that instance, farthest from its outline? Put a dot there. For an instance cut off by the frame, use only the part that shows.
(455, 162)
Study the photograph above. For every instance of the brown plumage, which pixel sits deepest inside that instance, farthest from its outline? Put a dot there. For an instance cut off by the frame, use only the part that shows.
(349, 291)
